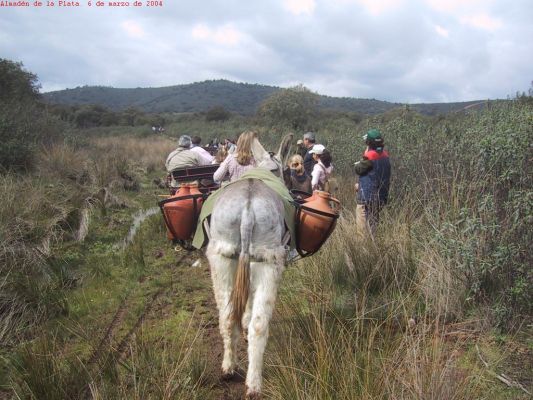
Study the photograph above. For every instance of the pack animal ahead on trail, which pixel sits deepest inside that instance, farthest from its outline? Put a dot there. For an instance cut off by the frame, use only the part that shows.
(251, 222)
(247, 255)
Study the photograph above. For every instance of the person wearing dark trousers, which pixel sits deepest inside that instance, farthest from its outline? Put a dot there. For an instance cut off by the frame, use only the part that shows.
(373, 172)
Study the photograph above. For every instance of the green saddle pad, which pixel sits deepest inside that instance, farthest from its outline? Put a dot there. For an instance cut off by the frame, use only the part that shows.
(266, 177)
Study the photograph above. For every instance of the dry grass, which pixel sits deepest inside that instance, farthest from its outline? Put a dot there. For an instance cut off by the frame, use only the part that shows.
(163, 368)
(33, 217)
(148, 153)
(323, 355)
(41, 210)
(64, 163)
(366, 319)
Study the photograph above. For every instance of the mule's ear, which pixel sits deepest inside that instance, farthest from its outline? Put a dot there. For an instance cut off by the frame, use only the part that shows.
(285, 146)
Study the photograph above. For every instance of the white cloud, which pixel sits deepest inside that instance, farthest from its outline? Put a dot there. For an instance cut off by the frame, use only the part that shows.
(226, 35)
(299, 7)
(451, 6)
(442, 31)
(482, 21)
(377, 7)
(133, 29)
(201, 31)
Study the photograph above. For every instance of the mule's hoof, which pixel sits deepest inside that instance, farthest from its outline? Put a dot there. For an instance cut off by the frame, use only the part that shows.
(228, 376)
(234, 376)
(253, 396)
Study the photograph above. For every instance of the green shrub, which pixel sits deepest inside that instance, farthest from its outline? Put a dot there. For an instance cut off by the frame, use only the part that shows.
(293, 107)
(24, 122)
(218, 113)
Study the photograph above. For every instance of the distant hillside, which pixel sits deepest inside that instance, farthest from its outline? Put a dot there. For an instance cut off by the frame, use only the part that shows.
(241, 98)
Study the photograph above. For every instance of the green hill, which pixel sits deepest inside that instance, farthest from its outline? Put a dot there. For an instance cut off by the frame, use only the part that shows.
(240, 98)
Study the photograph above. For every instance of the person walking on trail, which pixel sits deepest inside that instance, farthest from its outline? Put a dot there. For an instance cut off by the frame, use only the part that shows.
(182, 157)
(322, 168)
(309, 142)
(373, 172)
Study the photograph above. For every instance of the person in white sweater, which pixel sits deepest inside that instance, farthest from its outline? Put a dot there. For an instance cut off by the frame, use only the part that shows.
(322, 169)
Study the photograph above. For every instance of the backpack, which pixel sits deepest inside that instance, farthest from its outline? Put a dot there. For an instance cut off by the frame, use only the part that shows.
(330, 184)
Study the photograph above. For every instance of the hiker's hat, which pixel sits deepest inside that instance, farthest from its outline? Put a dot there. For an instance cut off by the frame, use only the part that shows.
(373, 135)
(317, 149)
(184, 141)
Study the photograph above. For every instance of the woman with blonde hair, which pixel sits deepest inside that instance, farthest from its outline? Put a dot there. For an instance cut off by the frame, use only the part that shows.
(238, 162)
(299, 180)
(221, 155)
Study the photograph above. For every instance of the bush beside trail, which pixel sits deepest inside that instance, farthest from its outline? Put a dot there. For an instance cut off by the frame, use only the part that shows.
(471, 175)
(24, 121)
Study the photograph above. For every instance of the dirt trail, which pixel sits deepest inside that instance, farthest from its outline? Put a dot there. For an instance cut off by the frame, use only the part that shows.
(202, 303)
(224, 389)
(191, 287)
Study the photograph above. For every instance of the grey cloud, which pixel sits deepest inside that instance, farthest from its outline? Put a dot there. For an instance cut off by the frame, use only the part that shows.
(339, 50)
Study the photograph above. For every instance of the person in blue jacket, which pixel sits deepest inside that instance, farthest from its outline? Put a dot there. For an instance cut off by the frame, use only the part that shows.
(373, 171)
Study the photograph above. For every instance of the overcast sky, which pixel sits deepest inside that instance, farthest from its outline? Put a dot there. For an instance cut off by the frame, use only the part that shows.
(395, 50)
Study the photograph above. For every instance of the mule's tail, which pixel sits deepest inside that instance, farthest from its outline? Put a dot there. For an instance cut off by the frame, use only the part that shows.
(241, 287)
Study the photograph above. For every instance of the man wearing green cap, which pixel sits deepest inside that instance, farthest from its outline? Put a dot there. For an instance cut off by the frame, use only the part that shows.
(372, 188)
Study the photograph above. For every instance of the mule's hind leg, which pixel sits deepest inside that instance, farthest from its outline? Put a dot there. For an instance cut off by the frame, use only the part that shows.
(223, 274)
(265, 281)
(247, 316)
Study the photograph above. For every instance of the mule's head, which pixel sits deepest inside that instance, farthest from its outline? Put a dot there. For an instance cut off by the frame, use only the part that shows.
(271, 163)
(277, 162)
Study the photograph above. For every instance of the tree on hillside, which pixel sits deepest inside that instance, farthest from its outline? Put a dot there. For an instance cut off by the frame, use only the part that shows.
(156, 120)
(293, 107)
(16, 84)
(90, 116)
(23, 120)
(217, 113)
(526, 97)
(133, 117)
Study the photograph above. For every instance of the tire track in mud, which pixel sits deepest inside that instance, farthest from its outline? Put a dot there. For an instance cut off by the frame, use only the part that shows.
(210, 338)
(121, 349)
(108, 336)
(201, 301)
(117, 320)
(197, 299)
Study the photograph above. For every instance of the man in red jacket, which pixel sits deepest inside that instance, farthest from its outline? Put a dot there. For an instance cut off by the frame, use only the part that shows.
(372, 188)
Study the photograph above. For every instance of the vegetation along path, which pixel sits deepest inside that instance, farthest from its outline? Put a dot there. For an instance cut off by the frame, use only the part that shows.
(137, 319)
(438, 306)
